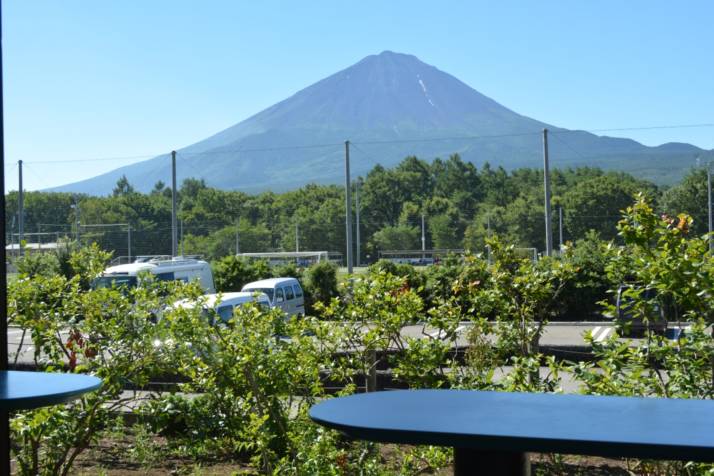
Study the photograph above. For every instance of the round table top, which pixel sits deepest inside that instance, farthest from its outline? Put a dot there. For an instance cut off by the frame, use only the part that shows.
(27, 390)
(523, 422)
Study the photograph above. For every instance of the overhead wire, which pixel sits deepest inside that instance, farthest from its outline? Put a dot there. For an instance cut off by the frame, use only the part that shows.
(374, 142)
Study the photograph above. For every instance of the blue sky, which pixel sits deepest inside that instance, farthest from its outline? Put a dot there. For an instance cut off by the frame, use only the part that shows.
(126, 80)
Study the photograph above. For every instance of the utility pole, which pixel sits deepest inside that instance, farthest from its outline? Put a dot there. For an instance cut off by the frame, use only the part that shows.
(237, 237)
(181, 235)
(488, 233)
(174, 237)
(20, 206)
(128, 242)
(77, 219)
(297, 236)
(709, 205)
(423, 238)
(560, 226)
(546, 182)
(348, 208)
(358, 185)
(12, 233)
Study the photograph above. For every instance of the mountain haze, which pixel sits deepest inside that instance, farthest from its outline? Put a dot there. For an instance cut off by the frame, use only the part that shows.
(389, 106)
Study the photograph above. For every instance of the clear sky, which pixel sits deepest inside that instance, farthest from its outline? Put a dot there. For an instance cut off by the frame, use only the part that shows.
(127, 80)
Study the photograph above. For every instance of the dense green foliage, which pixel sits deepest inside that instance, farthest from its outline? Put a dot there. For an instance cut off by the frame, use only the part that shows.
(255, 376)
(462, 206)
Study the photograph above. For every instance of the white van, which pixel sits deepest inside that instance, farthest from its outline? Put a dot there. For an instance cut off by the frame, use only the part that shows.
(179, 268)
(284, 293)
(223, 307)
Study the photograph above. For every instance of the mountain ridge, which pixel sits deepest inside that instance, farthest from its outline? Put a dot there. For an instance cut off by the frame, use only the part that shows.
(390, 105)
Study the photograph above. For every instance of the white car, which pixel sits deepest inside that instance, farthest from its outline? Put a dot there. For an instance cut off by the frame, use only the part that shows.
(223, 304)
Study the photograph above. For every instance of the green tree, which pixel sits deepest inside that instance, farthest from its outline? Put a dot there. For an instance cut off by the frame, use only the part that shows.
(689, 196)
(123, 187)
(398, 237)
(596, 204)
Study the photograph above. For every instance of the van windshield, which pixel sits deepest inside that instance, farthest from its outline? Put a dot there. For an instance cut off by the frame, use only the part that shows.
(114, 281)
(268, 291)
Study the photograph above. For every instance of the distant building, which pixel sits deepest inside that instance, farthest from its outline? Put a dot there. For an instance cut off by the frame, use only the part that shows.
(14, 249)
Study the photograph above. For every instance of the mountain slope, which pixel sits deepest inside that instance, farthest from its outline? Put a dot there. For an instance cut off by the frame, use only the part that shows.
(389, 105)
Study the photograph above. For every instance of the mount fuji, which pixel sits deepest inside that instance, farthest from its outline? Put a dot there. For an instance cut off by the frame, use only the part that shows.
(389, 106)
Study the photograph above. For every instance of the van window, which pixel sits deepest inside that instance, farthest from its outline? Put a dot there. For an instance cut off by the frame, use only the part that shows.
(298, 290)
(168, 276)
(268, 291)
(289, 293)
(114, 281)
(279, 295)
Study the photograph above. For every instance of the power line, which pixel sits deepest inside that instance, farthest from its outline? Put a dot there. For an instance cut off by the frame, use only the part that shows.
(264, 149)
(96, 159)
(372, 142)
(642, 128)
(570, 147)
(437, 139)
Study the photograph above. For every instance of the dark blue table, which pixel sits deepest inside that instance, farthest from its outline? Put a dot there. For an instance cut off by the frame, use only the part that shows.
(27, 390)
(491, 432)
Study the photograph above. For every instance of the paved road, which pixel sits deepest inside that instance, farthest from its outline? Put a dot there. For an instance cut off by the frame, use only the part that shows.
(558, 336)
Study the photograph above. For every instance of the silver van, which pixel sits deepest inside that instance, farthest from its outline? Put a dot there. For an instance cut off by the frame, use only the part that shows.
(284, 293)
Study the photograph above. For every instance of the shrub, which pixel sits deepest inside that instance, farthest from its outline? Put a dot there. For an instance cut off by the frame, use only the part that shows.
(231, 273)
(321, 284)
(30, 265)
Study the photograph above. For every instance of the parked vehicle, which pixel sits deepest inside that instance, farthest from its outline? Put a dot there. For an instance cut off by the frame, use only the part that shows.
(221, 306)
(284, 293)
(178, 268)
(656, 321)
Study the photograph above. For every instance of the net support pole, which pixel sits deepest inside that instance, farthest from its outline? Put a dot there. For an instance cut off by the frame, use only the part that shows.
(546, 186)
(348, 208)
(174, 231)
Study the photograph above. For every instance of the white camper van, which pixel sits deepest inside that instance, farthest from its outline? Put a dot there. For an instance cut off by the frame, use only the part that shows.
(284, 293)
(167, 269)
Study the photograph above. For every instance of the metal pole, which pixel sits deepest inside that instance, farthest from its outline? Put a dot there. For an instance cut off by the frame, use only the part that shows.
(77, 219)
(181, 221)
(546, 182)
(297, 237)
(20, 204)
(4, 416)
(560, 225)
(488, 233)
(348, 207)
(709, 205)
(128, 242)
(423, 238)
(174, 234)
(12, 235)
(358, 255)
(237, 237)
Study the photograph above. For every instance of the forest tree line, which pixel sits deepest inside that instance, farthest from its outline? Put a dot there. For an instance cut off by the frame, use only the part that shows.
(462, 205)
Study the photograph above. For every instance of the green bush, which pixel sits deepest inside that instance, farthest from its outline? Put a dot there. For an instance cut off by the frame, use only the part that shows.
(590, 283)
(111, 335)
(231, 273)
(253, 379)
(320, 284)
(30, 265)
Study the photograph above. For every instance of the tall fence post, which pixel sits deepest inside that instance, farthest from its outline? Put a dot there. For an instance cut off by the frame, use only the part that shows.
(546, 183)
(348, 207)
(174, 231)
